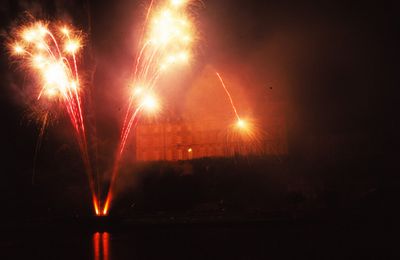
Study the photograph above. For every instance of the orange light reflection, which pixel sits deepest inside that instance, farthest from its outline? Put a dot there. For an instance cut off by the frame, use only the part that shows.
(101, 246)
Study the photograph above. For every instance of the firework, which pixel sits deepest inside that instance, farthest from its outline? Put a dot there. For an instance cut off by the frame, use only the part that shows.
(49, 52)
(241, 124)
(243, 134)
(167, 41)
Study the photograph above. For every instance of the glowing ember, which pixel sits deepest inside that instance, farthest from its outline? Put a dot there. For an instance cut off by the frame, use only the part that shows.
(246, 129)
(241, 124)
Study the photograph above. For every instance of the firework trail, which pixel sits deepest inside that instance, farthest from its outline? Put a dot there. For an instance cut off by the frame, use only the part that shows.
(49, 53)
(229, 96)
(166, 42)
(241, 124)
(39, 144)
(244, 134)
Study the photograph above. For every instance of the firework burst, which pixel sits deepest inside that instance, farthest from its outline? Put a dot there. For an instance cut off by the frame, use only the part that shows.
(49, 53)
(244, 136)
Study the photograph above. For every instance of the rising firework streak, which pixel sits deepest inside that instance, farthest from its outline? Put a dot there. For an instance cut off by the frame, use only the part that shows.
(167, 42)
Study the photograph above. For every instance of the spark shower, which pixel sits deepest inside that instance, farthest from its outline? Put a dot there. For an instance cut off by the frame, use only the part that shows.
(49, 53)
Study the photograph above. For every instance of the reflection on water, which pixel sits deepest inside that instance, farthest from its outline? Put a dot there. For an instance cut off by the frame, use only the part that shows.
(101, 246)
(270, 240)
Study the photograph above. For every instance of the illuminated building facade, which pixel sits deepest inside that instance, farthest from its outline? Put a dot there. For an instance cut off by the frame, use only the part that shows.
(178, 139)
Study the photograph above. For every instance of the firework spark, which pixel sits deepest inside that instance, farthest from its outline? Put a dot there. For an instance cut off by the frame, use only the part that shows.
(244, 130)
(241, 124)
(49, 52)
(167, 42)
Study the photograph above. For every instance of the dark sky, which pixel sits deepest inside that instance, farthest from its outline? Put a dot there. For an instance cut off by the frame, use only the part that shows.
(330, 60)
(335, 63)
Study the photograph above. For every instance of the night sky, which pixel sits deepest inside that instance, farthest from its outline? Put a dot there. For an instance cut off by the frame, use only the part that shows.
(334, 63)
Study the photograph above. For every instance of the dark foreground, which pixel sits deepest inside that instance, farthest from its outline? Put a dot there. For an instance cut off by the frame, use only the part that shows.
(327, 237)
(220, 209)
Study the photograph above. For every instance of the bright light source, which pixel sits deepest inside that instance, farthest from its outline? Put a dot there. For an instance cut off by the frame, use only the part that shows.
(74, 85)
(245, 129)
(72, 46)
(42, 30)
(18, 49)
(29, 35)
(241, 124)
(150, 103)
(178, 2)
(65, 30)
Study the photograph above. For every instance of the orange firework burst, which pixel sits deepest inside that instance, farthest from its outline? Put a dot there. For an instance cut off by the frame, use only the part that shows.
(241, 125)
(243, 133)
(51, 57)
(50, 52)
(168, 37)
